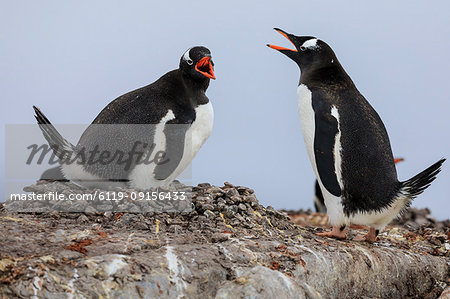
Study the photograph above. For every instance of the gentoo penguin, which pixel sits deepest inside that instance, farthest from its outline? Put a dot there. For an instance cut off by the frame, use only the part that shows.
(319, 201)
(347, 144)
(146, 137)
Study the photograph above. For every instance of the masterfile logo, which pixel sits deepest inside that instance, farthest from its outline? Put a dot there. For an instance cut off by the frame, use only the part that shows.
(104, 167)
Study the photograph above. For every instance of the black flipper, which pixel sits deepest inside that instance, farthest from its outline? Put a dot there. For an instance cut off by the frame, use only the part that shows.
(175, 138)
(326, 129)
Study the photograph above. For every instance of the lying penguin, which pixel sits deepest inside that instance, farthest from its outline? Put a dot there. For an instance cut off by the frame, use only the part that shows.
(347, 144)
(170, 119)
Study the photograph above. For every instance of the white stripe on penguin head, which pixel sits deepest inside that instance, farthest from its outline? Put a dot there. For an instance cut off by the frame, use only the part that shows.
(186, 56)
(311, 44)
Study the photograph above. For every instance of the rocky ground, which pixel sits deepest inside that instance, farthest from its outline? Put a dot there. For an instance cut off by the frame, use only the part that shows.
(414, 224)
(224, 244)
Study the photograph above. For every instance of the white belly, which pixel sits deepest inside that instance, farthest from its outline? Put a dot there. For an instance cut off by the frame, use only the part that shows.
(143, 176)
(379, 219)
(198, 133)
(307, 119)
(306, 113)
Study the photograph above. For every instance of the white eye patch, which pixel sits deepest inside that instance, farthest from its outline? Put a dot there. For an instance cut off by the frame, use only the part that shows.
(310, 44)
(186, 56)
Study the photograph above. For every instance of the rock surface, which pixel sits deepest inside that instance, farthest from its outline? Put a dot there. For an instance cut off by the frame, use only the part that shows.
(227, 246)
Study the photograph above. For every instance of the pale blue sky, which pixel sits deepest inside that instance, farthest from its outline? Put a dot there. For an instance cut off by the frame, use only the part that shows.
(71, 58)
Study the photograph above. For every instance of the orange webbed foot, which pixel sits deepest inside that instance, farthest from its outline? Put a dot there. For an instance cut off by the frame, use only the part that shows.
(336, 233)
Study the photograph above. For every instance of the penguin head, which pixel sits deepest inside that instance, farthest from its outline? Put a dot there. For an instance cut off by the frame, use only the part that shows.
(197, 63)
(309, 52)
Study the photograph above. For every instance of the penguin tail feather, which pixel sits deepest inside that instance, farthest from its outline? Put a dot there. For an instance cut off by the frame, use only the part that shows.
(62, 148)
(417, 184)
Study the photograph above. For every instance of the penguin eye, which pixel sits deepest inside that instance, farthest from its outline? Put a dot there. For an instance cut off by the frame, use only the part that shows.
(302, 48)
(189, 61)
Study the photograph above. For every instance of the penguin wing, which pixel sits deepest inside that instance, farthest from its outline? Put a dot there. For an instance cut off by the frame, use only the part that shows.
(326, 131)
(175, 135)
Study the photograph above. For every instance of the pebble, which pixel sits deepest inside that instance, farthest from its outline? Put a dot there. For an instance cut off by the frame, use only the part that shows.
(219, 237)
(207, 206)
(209, 214)
(90, 211)
(82, 219)
(242, 207)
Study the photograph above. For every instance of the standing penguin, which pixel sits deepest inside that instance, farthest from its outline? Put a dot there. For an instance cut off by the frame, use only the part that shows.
(347, 144)
(171, 117)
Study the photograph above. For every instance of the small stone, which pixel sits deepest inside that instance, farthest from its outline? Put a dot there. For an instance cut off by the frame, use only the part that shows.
(234, 208)
(435, 241)
(175, 229)
(227, 212)
(208, 206)
(55, 214)
(220, 200)
(235, 199)
(149, 214)
(90, 211)
(430, 218)
(201, 199)
(270, 210)
(209, 214)
(421, 221)
(141, 226)
(250, 210)
(242, 207)
(243, 190)
(251, 199)
(82, 219)
(204, 185)
(219, 237)
(232, 192)
(240, 218)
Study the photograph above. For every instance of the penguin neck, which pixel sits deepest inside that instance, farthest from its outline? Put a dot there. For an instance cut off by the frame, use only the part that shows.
(330, 74)
(195, 88)
(194, 84)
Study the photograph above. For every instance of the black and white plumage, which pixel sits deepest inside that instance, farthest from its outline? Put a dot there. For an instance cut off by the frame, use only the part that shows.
(173, 116)
(347, 143)
(319, 201)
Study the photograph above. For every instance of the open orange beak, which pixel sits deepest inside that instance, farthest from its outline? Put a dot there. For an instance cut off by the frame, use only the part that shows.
(205, 67)
(282, 48)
